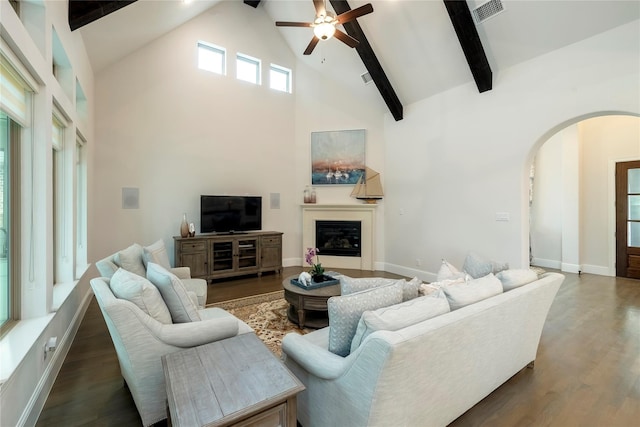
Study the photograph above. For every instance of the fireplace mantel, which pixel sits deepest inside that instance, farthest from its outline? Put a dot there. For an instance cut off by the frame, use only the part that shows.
(365, 213)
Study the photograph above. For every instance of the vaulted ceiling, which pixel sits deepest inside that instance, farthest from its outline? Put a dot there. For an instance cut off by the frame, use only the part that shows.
(416, 42)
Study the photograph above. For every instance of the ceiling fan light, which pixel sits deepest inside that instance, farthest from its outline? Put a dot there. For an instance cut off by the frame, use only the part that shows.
(324, 30)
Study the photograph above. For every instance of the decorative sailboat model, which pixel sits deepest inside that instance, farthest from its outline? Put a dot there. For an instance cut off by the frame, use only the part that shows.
(368, 187)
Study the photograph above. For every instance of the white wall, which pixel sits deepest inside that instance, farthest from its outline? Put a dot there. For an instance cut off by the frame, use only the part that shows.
(602, 141)
(176, 132)
(459, 157)
(46, 311)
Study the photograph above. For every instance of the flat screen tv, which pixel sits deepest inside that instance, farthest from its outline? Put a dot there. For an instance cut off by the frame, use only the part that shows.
(230, 214)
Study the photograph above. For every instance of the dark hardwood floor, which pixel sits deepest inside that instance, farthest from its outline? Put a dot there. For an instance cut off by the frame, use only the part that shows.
(587, 372)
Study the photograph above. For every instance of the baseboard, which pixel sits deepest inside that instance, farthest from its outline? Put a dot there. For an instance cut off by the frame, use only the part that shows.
(41, 393)
(570, 268)
(597, 269)
(409, 272)
(546, 263)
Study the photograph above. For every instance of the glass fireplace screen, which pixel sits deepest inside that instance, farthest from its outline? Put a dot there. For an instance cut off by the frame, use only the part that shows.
(338, 238)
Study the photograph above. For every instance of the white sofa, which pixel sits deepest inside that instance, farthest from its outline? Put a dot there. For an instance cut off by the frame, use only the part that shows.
(426, 374)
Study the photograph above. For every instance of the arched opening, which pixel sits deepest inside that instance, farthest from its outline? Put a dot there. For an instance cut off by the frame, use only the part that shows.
(572, 191)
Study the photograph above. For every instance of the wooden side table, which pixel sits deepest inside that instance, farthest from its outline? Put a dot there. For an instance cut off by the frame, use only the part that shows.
(308, 306)
(233, 382)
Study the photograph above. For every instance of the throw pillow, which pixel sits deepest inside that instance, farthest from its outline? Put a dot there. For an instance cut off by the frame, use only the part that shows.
(156, 253)
(398, 316)
(436, 287)
(410, 289)
(448, 272)
(514, 278)
(141, 292)
(465, 293)
(345, 312)
(349, 285)
(477, 266)
(175, 295)
(130, 259)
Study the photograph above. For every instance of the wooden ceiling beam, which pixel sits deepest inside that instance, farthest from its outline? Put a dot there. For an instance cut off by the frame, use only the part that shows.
(470, 42)
(370, 61)
(83, 12)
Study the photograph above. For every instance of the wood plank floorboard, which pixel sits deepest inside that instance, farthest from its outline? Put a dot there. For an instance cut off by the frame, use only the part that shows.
(587, 372)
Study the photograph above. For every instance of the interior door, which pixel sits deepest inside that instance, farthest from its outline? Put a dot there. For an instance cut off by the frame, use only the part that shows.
(628, 219)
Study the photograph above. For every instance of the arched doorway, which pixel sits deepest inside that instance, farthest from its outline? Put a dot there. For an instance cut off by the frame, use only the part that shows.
(572, 203)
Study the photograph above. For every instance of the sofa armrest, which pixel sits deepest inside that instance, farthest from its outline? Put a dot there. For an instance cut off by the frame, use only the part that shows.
(192, 334)
(181, 272)
(314, 359)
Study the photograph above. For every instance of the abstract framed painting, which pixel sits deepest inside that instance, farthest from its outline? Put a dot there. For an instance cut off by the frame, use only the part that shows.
(337, 157)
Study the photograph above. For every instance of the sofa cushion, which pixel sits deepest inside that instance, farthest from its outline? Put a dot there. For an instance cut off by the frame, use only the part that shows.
(181, 307)
(156, 253)
(345, 312)
(477, 266)
(350, 285)
(399, 316)
(130, 259)
(465, 293)
(138, 290)
(516, 277)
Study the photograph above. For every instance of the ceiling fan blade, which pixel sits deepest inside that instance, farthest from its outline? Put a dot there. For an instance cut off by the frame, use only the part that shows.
(319, 5)
(354, 13)
(293, 24)
(345, 38)
(312, 45)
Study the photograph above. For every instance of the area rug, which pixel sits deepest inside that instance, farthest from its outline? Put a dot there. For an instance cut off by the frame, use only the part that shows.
(266, 314)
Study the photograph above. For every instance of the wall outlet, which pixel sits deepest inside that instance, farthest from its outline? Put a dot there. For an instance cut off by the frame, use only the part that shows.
(502, 216)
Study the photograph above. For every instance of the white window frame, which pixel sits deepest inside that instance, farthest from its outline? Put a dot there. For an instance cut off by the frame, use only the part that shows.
(246, 59)
(217, 50)
(274, 68)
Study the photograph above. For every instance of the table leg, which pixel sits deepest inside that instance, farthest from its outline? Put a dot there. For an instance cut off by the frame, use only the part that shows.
(301, 315)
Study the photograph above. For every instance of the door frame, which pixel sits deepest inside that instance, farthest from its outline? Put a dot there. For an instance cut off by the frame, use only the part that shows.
(612, 210)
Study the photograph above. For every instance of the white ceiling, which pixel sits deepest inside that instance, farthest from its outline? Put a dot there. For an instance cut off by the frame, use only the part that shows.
(413, 39)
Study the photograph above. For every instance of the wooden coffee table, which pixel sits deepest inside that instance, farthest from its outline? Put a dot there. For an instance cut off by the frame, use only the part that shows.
(233, 382)
(308, 308)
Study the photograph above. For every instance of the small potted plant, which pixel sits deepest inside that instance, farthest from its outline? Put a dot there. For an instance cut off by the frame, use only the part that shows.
(317, 271)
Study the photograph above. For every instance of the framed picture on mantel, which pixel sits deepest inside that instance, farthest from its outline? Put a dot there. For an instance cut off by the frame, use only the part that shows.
(337, 157)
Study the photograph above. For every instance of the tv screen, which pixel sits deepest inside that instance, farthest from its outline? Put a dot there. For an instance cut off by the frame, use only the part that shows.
(226, 214)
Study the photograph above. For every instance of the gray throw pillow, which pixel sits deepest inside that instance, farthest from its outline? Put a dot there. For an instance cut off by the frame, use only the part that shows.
(175, 295)
(477, 266)
(131, 260)
(350, 285)
(514, 278)
(156, 253)
(138, 290)
(345, 312)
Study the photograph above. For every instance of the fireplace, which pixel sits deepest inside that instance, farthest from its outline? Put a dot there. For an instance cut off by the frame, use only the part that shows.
(365, 214)
(339, 238)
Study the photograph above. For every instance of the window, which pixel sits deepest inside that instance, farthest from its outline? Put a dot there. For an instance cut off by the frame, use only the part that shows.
(248, 69)
(280, 78)
(212, 58)
(81, 207)
(58, 191)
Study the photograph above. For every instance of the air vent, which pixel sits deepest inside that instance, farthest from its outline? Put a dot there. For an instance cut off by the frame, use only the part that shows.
(366, 78)
(487, 10)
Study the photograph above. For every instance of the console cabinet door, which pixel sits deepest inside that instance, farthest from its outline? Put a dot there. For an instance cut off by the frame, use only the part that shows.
(193, 254)
(247, 254)
(222, 256)
(271, 253)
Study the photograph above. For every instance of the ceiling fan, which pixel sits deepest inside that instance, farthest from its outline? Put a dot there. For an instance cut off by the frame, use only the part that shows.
(324, 26)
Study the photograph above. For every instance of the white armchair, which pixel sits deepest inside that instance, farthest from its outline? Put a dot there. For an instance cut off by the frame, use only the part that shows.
(140, 342)
(135, 259)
